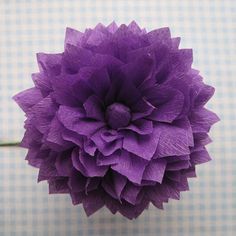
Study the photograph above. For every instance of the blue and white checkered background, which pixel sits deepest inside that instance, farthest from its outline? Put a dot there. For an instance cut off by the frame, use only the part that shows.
(208, 26)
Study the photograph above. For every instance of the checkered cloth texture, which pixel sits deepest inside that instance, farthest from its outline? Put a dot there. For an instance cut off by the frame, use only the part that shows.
(28, 27)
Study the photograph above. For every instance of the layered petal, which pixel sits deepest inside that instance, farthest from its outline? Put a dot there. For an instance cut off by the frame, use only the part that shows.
(143, 146)
(87, 164)
(75, 120)
(131, 166)
(106, 148)
(155, 170)
(168, 102)
(28, 98)
(117, 119)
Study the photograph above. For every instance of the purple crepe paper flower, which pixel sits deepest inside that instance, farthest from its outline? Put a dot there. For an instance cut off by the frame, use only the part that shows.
(117, 119)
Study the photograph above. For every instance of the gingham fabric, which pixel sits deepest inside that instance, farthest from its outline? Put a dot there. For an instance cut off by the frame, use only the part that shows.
(208, 26)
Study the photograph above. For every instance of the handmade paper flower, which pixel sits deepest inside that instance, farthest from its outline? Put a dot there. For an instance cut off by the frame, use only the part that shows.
(117, 119)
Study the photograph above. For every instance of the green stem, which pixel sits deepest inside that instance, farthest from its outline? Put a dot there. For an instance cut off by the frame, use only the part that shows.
(9, 144)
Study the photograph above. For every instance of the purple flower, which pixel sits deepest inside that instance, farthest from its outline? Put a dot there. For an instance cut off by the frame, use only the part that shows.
(117, 119)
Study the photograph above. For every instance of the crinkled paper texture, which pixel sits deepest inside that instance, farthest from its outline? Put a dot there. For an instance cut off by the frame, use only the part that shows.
(117, 119)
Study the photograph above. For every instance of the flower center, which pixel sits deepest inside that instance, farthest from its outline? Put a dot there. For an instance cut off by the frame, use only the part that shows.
(118, 115)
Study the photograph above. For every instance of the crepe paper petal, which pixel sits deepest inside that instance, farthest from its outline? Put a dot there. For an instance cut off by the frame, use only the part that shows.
(87, 164)
(50, 63)
(111, 204)
(201, 139)
(130, 211)
(28, 98)
(169, 103)
(32, 137)
(81, 84)
(175, 42)
(161, 34)
(69, 115)
(200, 157)
(127, 92)
(173, 192)
(134, 27)
(182, 60)
(96, 37)
(202, 119)
(73, 37)
(155, 170)
(138, 70)
(110, 62)
(75, 58)
(204, 95)
(59, 94)
(119, 182)
(171, 159)
(131, 193)
(144, 146)
(158, 194)
(108, 160)
(142, 109)
(94, 108)
(72, 136)
(173, 175)
(47, 169)
(173, 141)
(183, 184)
(58, 186)
(178, 165)
(99, 82)
(110, 135)
(64, 164)
(108, 188)
(77, 182)
(90, 147)
(42, 84)
(141, 126)
(35, 157)
(104, 147)
(92, 184)
(77, 197)
(40, 119)
(118, 118)
(54, 137)
(114, 184)
(190, 172)
(130, 166)
(73, 119)
(112, 27)
(93, 202)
